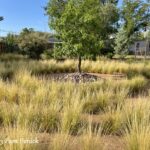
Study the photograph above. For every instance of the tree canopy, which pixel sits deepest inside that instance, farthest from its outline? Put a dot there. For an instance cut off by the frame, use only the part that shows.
(83, 26)
(32, 43)
(135, 18)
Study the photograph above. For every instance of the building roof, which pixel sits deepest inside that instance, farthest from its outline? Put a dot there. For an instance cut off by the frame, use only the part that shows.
(54, 40)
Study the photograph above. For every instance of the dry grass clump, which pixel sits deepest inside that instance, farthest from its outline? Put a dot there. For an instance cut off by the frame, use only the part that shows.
(138, 126)
(136, 85)
(12, 57)
(91, 138)
(112, 121)
(61, 141)
(30, 105)
(137, 107)
(9, 67)
(101, 100)
(100, 66)
(113, 67)
(70, 117)
(47, 100)
(87, 141)
(138, 135)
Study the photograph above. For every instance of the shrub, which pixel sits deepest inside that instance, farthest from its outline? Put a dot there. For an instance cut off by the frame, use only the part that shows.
(33, 43)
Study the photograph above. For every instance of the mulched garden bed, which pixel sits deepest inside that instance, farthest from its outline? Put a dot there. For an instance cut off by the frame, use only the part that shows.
(83, 77)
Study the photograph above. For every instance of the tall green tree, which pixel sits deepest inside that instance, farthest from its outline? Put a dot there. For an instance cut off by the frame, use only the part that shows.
(121, 41)
(135, 17)
(82, 25)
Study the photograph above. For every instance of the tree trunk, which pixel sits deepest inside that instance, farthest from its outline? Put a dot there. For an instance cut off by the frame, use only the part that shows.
(135, 51)
(79, 64)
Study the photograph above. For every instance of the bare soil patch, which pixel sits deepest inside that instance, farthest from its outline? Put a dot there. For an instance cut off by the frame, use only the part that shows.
(109, 142)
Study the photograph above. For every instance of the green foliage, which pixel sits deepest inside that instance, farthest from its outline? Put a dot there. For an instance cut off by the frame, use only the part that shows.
(121, 42)
(83, 26)
(47, 54)
(33, 43)
(11, 43)
(108, 50)
(109, 1)
(26, 31)
(148, 35)
(135, 15)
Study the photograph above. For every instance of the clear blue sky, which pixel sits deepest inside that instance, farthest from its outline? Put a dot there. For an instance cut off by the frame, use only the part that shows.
(19, 14)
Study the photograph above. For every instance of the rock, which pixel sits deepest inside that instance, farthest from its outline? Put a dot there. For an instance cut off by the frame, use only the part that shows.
(80, 77)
